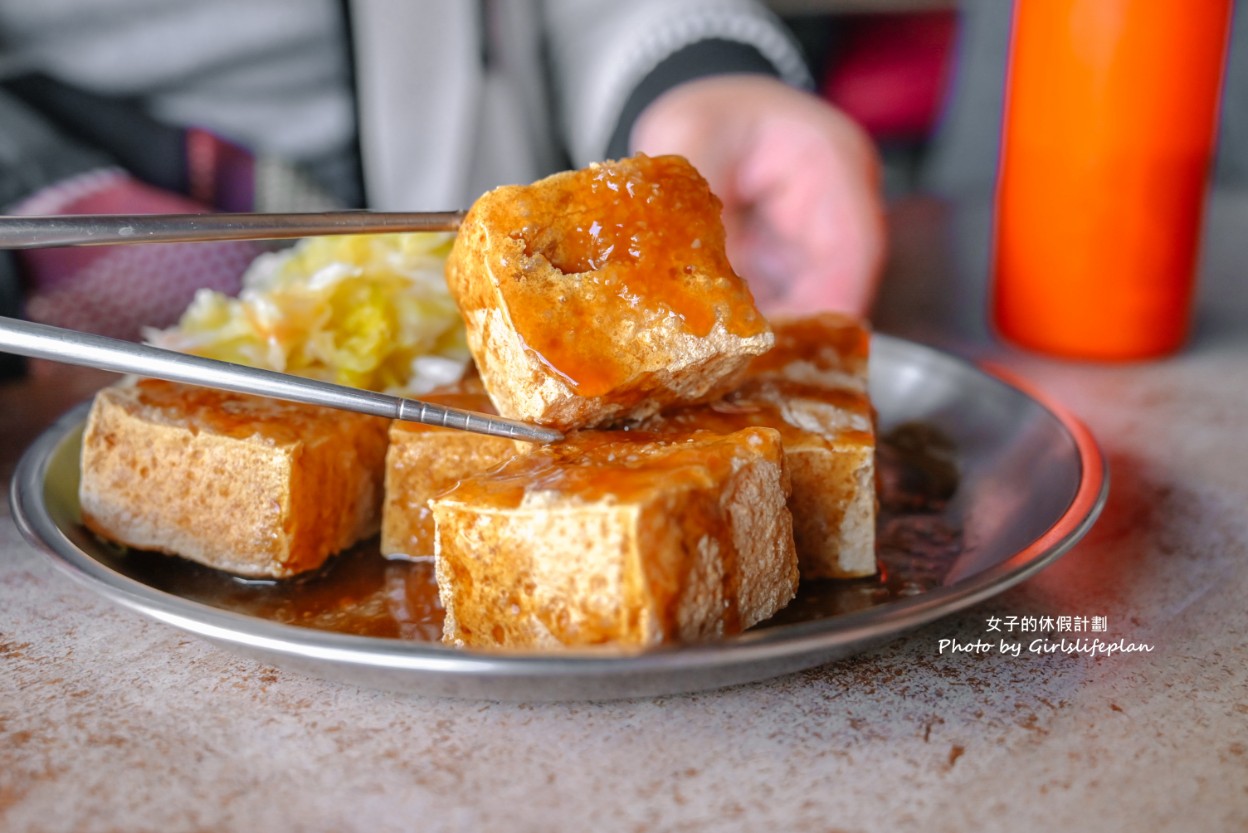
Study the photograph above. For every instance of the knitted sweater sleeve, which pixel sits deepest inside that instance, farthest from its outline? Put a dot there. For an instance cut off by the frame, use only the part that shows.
(610, 59)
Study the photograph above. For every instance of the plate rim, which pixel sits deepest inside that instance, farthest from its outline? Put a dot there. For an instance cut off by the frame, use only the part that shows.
(789, 641)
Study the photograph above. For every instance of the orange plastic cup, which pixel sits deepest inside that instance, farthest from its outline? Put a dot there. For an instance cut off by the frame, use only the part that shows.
(1110, 120)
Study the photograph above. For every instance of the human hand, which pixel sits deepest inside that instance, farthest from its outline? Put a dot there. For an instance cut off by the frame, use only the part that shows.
(799, 182)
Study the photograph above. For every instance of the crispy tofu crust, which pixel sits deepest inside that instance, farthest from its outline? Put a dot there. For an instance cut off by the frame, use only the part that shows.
(817, 376)
(620, 539)
(423, 461)
(248, 485)
(603, 294)
(812, 388)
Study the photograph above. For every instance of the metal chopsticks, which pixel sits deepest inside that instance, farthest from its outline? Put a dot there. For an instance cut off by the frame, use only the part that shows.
(104, 229)
(45, 342)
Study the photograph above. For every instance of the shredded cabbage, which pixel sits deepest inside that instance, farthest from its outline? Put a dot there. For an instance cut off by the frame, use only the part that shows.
(369, 311)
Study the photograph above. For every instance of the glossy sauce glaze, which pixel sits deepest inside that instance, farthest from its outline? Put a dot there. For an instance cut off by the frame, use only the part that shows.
(236, 415)
(762, 403)
(611, 253)
(590, 466)
(827, 341)
(816, 361)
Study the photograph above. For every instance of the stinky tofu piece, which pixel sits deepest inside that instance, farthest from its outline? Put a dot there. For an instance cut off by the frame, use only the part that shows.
(245, 484)
(425, 460)
(603, 294)
(618, 538)
(812, 388)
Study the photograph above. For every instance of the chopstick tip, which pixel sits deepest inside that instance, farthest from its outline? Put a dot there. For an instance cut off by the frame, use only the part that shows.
(547, 435)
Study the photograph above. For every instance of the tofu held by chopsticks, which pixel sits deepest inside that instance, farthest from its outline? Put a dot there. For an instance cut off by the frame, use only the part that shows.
(603, 294)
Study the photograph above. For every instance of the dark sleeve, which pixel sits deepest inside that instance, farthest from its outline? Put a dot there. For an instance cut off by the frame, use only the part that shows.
(33, 155)
(148, 149)
(63, 151)
(10, 307)
(698, 60)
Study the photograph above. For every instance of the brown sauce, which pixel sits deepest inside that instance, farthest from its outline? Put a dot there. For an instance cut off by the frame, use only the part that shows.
(761, 403)
(820, 360)
(357, 592)
(229, 414)
(829, 341)
(593, 465)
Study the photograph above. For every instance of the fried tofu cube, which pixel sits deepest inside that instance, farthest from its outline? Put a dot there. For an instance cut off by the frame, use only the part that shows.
(252, 486)
(812, 388)
(603, 294)
(424, 460)
(817, 376)
(619, 539)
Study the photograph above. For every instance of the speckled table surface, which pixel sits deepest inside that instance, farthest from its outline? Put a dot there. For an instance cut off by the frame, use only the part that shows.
(109, 721)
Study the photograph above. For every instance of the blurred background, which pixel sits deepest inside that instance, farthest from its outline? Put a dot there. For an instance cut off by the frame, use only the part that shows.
(927, 80)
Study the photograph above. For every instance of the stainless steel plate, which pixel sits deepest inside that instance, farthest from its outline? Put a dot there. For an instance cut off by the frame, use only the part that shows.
(1031, 481)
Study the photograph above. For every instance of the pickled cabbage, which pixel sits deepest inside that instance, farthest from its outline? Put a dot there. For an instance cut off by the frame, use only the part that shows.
(369, 311)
